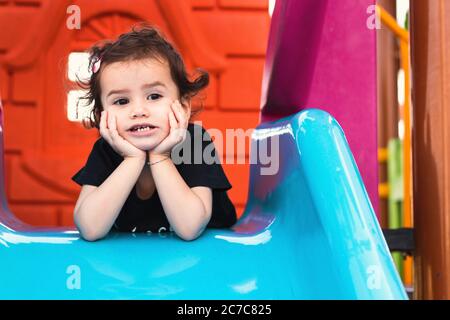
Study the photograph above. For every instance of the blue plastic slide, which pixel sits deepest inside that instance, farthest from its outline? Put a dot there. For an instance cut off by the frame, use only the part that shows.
(308, 232)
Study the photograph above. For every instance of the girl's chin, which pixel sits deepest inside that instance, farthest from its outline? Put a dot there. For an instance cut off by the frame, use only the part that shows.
(145, 146)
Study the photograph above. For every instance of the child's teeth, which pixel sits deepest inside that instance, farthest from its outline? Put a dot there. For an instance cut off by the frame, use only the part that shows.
(143, 129)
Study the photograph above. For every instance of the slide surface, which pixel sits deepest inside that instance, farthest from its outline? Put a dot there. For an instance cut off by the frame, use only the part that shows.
(308, 232)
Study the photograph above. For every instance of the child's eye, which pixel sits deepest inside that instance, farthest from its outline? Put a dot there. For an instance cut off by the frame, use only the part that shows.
(121, 101)
(155, 96)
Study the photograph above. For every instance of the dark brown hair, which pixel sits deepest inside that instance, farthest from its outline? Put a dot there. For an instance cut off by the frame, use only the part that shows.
(143, 41)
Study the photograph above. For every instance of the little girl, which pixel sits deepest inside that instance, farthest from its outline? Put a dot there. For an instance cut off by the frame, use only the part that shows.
(142, 104)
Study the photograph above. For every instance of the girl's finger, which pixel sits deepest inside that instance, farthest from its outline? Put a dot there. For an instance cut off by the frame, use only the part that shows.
(185, 112)
(188, 111)
(182, 134)
(103, 128)
(102, 124)
(184, 108)
(172, 121)
(110, 121)
(102, 118)
(175, 110)
(182, 121)
(113, 127)
(179, 113)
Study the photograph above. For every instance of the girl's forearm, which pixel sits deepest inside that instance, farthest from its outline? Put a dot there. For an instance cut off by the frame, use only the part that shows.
(183, 208)
(98, 212)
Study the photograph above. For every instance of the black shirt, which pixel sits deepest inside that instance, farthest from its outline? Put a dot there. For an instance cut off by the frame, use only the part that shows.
(139, 215)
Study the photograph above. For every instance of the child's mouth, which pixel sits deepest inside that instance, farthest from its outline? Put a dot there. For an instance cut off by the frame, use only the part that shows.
(142, 130)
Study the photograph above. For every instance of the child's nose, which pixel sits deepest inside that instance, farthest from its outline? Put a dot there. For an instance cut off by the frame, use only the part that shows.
(138, 110)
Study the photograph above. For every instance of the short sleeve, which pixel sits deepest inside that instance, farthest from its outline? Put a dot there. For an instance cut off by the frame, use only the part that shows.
(99, 166)
(198, 162)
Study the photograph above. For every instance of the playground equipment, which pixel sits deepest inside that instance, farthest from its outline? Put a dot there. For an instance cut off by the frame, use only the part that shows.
(309, 230)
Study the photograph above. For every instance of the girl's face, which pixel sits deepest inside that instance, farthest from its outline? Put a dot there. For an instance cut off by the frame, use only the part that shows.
(139, 93)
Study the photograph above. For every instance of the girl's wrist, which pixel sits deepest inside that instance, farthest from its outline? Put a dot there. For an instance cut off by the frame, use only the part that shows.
(157, 157)
(136, 159)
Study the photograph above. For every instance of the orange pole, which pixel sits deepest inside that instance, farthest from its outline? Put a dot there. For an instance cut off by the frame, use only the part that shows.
(407, 159)
(392, 24)
(407, 207)
(403, 36)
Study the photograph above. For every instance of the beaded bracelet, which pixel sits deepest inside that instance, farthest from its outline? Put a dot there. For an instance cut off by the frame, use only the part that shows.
(152, 163)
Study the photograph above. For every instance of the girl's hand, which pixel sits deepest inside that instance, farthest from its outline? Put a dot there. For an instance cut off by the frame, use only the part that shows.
(108, 130)
(178, 120)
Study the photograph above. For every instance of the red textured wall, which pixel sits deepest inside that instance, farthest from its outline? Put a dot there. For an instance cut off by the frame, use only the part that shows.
(44, 149)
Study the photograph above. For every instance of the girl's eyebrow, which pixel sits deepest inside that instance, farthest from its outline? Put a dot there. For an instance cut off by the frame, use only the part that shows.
(117, 91)
(153, 84)
(145, 86)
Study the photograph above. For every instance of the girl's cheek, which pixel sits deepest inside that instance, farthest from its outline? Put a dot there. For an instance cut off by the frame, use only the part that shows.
(120, 124)
(165, 122)
(107, 108)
